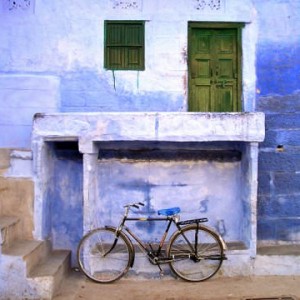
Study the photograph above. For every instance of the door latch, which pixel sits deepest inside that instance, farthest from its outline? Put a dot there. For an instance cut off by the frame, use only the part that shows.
(223, 83)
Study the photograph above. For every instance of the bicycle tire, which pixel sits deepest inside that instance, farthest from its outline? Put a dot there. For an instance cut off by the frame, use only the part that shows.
(104, 268)
(205, 263)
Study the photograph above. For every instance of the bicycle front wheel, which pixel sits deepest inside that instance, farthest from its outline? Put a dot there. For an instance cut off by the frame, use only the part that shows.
(197, 253)
(101, 257)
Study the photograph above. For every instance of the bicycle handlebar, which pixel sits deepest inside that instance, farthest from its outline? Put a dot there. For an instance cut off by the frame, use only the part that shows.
(136, 205)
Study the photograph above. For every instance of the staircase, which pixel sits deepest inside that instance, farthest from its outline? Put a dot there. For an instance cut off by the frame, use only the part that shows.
(29, 269)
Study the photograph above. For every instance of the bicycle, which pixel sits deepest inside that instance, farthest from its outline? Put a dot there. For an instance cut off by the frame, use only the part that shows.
(195, 252)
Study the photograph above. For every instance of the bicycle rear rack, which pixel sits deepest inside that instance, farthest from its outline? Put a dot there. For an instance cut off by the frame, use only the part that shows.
(202, 220)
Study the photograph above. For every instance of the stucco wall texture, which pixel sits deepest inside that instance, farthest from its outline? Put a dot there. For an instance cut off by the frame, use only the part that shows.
(278, 95)
(52, 61)
(130, 157)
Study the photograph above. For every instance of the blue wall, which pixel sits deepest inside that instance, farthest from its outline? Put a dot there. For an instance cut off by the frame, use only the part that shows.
(65, 198)
(57, 66)
(278, 77)
(201, 186)
(278, 68)
(86, 90)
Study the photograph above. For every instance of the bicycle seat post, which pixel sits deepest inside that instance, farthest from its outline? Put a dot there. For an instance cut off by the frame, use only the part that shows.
(127, 208)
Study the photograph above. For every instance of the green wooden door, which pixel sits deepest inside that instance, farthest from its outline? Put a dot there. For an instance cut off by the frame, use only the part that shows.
(214, 69)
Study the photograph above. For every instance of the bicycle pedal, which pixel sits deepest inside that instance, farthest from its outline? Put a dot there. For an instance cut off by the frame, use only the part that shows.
(161, 274)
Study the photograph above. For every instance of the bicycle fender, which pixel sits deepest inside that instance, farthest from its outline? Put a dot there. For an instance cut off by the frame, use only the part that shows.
(128, 240)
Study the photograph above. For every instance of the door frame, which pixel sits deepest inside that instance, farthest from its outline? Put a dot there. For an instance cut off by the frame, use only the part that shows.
(219, 25)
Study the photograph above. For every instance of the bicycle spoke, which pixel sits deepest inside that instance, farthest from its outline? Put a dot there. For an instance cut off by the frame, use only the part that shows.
(101, 259)
(196, 266)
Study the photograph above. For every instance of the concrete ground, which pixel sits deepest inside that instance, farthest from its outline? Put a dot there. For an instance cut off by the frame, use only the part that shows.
(77, 287)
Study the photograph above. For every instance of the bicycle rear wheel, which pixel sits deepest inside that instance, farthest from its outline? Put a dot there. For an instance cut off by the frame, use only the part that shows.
(197, 252)
(100, 259)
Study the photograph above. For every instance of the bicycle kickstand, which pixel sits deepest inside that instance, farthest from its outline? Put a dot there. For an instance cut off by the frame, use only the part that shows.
(161, 272)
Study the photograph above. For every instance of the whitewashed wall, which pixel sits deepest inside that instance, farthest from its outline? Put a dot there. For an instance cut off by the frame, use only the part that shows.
(52, 58)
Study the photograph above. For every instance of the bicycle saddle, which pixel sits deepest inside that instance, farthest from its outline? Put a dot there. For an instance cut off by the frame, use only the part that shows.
(169, 211)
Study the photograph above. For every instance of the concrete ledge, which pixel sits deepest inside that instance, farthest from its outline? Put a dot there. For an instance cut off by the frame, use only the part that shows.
(176, 127)
(284, 265)
(283, 250)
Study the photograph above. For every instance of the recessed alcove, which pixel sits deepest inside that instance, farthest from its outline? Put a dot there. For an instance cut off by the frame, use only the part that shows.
(203, 162)
(170, 151)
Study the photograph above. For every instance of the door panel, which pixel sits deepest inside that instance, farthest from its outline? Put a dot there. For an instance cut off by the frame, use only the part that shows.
(224, 98)
(201, 68)
(200, 93)
(213, 69)
(225, 68)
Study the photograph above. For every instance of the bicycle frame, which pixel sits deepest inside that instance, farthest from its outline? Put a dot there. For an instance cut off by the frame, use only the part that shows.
(154, 255)
(150, 252)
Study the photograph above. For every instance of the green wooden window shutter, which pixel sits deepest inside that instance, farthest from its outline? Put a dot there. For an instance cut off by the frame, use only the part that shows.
(124, 45)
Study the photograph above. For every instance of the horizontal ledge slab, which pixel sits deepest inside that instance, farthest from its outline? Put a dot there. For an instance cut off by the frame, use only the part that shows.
(88, 128)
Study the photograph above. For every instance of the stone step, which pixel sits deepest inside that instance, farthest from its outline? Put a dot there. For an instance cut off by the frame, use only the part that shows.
(31, 251)
(17, 197)
(9, 231)
(4, 159)
(48, 276)
(33, 271)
